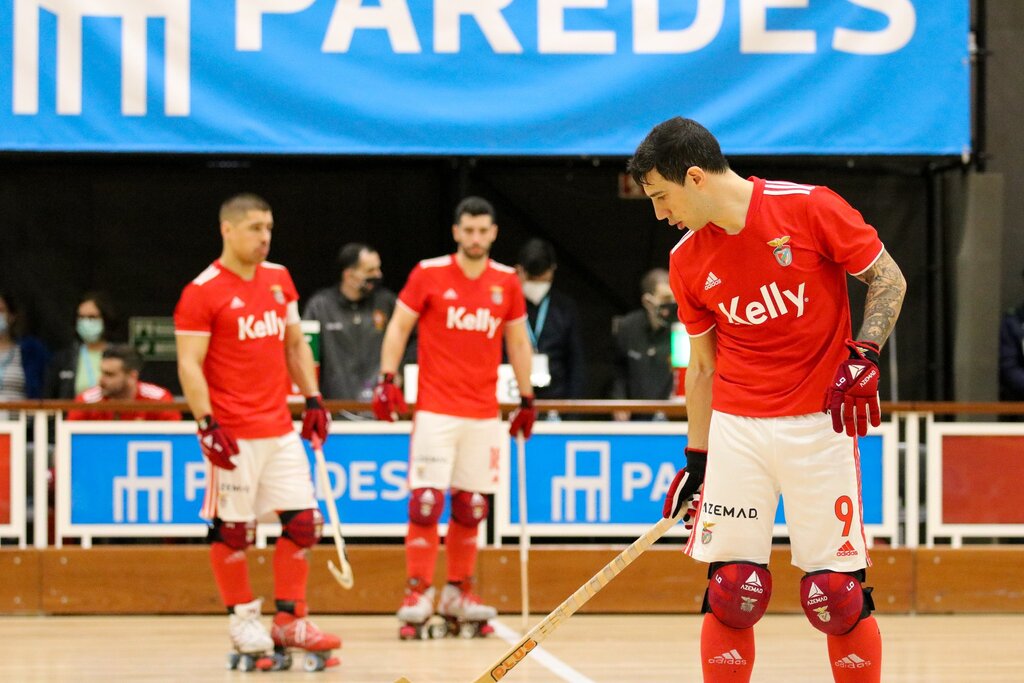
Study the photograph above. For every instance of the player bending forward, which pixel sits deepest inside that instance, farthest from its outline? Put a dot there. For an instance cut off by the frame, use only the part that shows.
(760, 279)
(239, 346)
(464, 303)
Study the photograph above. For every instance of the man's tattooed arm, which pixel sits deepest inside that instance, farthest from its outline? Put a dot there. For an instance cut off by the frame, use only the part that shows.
(886, 288)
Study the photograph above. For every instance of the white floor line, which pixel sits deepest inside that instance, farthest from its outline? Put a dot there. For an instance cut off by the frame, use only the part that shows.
(540, 655)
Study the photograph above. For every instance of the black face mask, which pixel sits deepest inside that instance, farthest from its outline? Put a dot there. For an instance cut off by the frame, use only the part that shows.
(369, 284)
(668, 313)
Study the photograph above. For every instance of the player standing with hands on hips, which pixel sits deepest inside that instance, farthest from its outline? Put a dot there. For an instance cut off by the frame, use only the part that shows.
(760, 278)
(465, 303)
(239, 348)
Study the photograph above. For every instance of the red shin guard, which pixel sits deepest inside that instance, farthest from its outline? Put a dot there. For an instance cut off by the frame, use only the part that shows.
(726, 654)
(460, 545)
(291, 569)
(856, 657)
(231, 572)
(421, 543)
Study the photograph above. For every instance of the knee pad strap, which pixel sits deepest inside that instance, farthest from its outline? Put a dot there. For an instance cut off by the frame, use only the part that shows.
(738, 593)
(303, 527)
(235, 535)
(469, 509)
(834, 602)
(425, 506)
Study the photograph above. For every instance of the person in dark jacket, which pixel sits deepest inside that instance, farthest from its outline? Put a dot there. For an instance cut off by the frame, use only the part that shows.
(77, 367)
(23, 358)
(1011, 355)
(553, 323)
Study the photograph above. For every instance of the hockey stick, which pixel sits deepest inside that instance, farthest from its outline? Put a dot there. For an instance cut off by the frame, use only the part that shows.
(588, 590)
(524, 536)
(343, 575)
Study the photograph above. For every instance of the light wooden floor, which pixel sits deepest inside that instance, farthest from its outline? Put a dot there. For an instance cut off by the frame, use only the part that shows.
(598, 649)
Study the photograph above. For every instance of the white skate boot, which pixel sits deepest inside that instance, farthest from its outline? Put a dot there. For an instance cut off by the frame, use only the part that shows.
(463, 612)
(249, 638)
(417, 612)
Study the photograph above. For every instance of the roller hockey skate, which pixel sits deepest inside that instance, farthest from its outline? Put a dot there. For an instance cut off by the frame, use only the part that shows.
(418, 621)
(249, 638)
(463, 612)
(291, 632)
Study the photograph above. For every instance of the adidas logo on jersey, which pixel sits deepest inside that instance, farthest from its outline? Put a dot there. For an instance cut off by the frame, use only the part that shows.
(237, 303)
(712, 281)
(852, 661)
(450, 295)
(753, 584)
(772, 305)
(846, 550)
(270, 325)
(480, 321)
(731, 657)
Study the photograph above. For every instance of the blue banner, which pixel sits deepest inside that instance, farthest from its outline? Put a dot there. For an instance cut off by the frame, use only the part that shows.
(521, 77)
(580, 483)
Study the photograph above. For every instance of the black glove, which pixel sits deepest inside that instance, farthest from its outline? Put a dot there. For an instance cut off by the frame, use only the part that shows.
(686, 484)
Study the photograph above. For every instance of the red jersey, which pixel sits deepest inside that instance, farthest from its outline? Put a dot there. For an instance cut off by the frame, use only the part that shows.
(461, 323)
(245, 364)
(144, 391)
(776, 292)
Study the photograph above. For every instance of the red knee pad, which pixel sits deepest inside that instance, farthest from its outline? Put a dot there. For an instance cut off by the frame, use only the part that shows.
(738, 593)
(235, 535)
(832, 601)
(303, 527)
(425, 506)
(469, 509)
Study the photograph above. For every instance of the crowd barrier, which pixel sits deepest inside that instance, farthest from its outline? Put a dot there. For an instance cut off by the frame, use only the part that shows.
(926, 482)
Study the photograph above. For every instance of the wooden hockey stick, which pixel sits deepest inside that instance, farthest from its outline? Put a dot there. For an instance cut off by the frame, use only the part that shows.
(524, 536)
(344, 574)
(588, 590)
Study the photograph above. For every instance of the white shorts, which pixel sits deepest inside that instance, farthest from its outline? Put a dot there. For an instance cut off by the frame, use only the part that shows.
(750, 462)
(271, 475)
(455, 452)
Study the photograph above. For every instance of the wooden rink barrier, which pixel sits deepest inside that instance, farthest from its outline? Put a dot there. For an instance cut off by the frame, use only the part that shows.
(176, 579)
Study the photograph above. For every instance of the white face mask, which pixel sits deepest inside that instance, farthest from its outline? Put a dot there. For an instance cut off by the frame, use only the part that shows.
(535, 291)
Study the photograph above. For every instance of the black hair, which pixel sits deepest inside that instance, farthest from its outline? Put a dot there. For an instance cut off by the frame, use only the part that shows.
(672, 147)
(537, 257)
(126, 354)
(349, 255)
(474, 206)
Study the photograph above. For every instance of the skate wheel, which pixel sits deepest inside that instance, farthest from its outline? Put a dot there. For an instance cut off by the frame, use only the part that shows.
(246, 663)
(408, 632)
(282, 660)
(486, 630)
(468, 631)
(232, 662)
(313, 661)
(439, 630)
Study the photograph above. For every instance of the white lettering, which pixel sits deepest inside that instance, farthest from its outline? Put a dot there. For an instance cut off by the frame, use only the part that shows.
(480, 321)
(902, 24)
(759, 312)
(663, 480)
(756, 38)
(553, 38)
(360, 480)
(488, 16)
(270, 325)
(392, 15)
(635, 475)
(395, 473)
(195, 479)
(648, 38)
(249, 19)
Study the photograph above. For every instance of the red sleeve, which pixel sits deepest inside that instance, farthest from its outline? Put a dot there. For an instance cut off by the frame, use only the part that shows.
(288, 285)
(192, 313)
(516, 301)
(414, 294)
(841, 232)
(78, 414)
(692, 314)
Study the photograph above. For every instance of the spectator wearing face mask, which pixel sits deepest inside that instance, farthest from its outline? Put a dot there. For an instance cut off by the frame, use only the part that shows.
(553, 324)
(23, 358)
(353, 316)
(77, 367)
(643, 344)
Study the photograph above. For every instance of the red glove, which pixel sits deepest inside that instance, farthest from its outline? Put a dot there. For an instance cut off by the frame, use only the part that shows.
(315, 419)
(523, 417)
(388, 401)
(218, 446)
(853, 397)
(686, 486)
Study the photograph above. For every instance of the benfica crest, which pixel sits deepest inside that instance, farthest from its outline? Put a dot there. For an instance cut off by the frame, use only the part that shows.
(782, 252)
(705, 534)
(497, 294)
(278, 293)
(823, 614)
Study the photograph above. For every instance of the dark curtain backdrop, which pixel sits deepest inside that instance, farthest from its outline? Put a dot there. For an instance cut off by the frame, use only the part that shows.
(141, 227)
